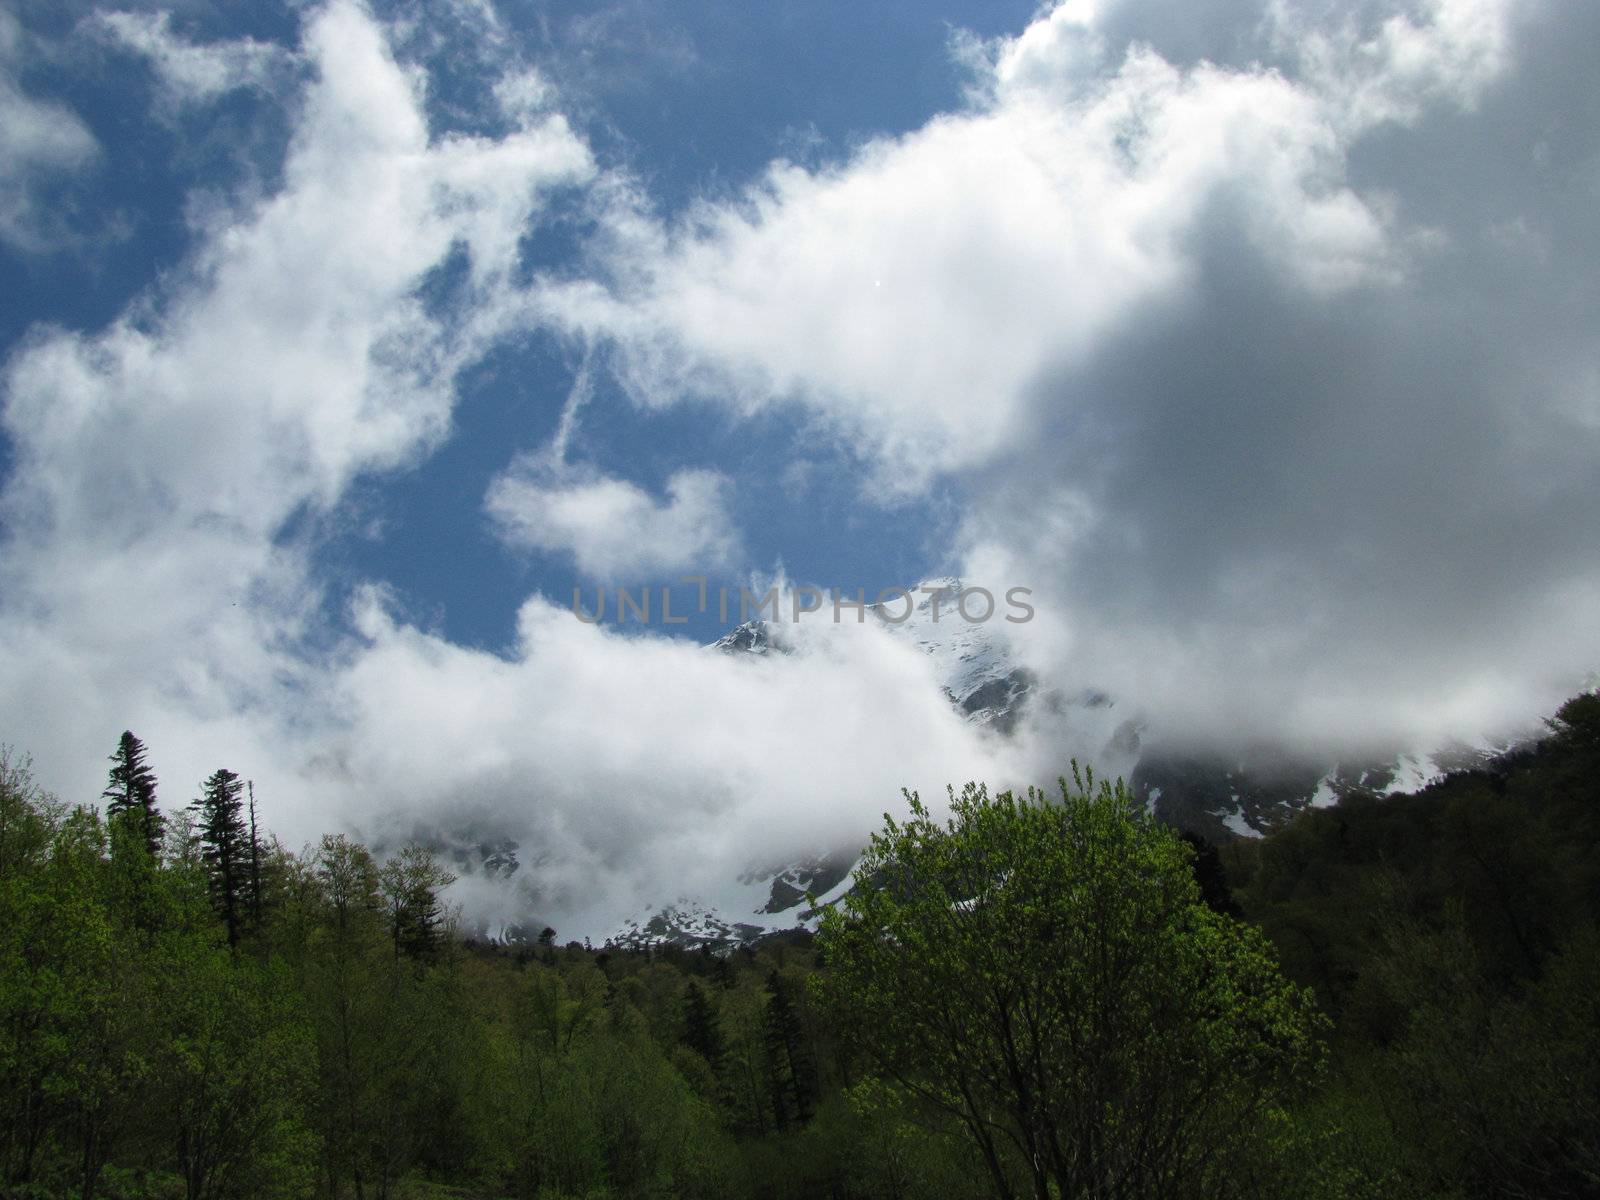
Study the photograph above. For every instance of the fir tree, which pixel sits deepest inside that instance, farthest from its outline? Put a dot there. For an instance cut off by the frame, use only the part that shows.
(223, 846)
(701, 1032)
(255, 861)
(792, 1073)
(131, 792)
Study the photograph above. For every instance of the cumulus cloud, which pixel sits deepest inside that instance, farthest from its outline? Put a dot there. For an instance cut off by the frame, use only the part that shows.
(1265, 353)
(611, 528)
(634, 770)
(942, 273)
(40, 141)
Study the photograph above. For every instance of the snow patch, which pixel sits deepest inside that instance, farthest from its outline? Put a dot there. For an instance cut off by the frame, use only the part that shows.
(1236, 823)
(1413, 772)
(1325, 796)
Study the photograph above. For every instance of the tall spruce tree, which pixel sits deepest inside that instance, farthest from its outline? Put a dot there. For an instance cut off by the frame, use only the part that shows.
(253, 849)
(791, 1069)
(701, 1031)
(131, 792)
(224, 847)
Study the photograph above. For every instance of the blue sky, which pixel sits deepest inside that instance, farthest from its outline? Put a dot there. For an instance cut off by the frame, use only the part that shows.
(1256, 337)
(697, 99)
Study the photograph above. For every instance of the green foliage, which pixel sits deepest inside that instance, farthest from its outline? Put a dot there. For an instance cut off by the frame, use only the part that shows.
(1453, 937)
(236, 1059)
(411, 884)
(1032, 997)
(127, 1032)
(1044, 972)
(792, 1076)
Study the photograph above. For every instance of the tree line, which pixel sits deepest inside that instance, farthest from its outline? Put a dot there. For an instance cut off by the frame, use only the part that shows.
(1037, 995)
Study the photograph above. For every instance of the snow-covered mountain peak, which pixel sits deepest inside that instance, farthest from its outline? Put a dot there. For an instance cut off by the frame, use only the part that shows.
(968, 653)
(966, 640)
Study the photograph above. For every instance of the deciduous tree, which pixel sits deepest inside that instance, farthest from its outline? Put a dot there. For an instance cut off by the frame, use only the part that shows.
(1045, 971)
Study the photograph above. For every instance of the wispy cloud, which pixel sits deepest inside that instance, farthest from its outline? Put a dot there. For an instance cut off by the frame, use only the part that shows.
(614, 529)
(41, 141)
(191, 72)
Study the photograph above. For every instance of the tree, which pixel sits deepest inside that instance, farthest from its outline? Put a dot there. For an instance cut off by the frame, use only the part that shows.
(411, 883)
(701, 1031)
(253, 847)
(72, 1038)
(1046, 973)
(387, 1025)
(791, 1072)
(131, 792)
(223, 839)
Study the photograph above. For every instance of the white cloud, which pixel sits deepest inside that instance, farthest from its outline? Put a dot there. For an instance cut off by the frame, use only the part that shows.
(1447, 51)
(156, 461)
(40, 141)
(192, 73)
(1192, 337)
(913, 295)
(614, 529)
(641, 768)
(146, 581)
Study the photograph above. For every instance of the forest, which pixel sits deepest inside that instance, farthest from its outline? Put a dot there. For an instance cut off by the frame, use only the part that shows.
(1039, 995)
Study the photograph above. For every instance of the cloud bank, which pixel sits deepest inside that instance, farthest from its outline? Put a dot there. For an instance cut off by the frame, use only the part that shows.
(1271, 365)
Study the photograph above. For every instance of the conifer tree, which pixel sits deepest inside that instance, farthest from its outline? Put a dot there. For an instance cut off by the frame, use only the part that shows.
(221, 831)
(701, 1032)
(131, 792)
(792, 1073)
(254, 849)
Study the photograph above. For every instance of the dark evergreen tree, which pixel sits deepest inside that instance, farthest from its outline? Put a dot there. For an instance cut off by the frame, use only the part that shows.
(791, 1072)
(1210, 875)
(701, 1032)
(224, 847)
(131, 792)
(254, 860)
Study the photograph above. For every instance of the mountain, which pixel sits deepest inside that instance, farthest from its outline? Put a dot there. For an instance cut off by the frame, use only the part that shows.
(974, 667)
(972, 660)
(1247, 794)
(1218, 796)
(774, 900)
